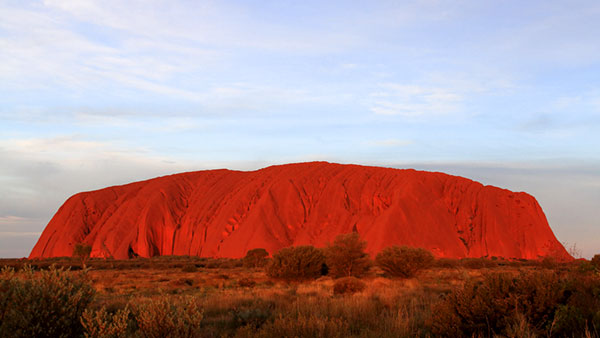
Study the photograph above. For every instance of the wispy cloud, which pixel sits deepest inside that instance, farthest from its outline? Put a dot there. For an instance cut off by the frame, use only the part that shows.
(414, 100)
(209, 23)
(79, 43)
(47, 47)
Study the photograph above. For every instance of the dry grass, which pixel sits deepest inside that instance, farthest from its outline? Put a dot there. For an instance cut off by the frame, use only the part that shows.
(233, 307)
(391, 307)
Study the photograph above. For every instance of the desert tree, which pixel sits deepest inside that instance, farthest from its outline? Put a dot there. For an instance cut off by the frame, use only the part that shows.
(347, 257)
(255, 258)
(82, 251)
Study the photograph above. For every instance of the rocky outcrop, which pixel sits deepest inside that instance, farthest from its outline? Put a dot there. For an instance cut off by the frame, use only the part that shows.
(224, 213)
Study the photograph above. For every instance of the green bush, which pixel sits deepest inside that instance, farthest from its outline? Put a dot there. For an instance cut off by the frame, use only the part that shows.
(255, 258)
(403, 261)
(47, 303)
(348, 285)
(297, 263)
(347, 256)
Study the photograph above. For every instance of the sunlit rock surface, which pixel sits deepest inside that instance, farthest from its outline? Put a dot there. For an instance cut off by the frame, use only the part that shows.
(224, 213)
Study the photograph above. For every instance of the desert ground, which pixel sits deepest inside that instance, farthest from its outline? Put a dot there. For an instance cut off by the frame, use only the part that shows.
(202, 297)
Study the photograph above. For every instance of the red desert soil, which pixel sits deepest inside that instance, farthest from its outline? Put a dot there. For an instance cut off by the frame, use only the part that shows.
(224, 213)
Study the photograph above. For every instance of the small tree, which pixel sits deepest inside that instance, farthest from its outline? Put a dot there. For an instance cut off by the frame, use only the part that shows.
(300, 262)
(403, 261)
(347, 257)
(255, 258)
(82, 251)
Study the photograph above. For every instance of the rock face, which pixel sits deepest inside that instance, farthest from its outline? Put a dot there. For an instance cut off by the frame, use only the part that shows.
(223, 213)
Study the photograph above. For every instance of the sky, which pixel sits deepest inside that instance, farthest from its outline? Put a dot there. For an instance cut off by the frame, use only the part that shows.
(98, 93)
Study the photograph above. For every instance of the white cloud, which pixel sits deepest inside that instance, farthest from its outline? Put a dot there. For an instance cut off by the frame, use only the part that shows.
(95, 49)
(414, 100)
(46, 47)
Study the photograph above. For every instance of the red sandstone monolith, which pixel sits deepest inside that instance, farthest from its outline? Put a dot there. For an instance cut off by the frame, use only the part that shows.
(223, 213)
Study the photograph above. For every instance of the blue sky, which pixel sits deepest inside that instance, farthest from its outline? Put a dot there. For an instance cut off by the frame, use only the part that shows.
(95, 93)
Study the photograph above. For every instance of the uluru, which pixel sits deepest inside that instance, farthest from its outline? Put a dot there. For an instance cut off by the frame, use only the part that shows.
(225, 213)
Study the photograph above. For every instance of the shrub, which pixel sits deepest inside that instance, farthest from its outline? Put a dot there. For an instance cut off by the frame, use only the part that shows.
(169, 317)
(43, 304)
(447, 263)
(403, 261)
(549, 262)
(347, 256)
(255, 258)
(583, 267)
(103, 324)
(595, 261)
(223, 263)
(582, 307)
(348, 285)
(544, 301)
(300, 262)
(480, 307)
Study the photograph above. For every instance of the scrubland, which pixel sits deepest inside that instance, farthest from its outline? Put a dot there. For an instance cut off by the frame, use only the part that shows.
(199, 297)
